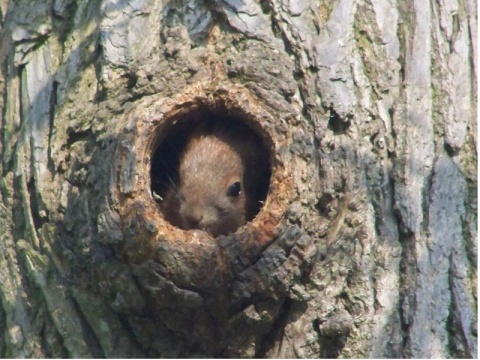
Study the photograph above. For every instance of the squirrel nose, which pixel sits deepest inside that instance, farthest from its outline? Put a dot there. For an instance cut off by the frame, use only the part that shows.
(194, 218)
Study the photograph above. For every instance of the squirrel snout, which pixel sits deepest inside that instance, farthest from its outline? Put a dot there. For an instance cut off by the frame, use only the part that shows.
(194, 217)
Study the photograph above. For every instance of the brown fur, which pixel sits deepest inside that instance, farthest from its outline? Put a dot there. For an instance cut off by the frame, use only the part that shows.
(211, 162)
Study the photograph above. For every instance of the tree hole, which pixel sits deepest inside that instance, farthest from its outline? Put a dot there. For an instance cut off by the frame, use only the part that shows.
(337, 124)
(210, 169)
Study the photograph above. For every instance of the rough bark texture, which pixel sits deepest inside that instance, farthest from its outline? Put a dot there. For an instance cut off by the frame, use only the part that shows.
(366, 245)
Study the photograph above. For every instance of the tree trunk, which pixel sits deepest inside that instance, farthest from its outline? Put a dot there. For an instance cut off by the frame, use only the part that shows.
(366, 242)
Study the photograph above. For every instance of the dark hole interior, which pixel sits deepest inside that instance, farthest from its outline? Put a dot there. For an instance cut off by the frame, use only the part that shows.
(175, 134)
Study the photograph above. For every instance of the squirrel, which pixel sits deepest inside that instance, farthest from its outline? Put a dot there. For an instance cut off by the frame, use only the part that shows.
(222, 178)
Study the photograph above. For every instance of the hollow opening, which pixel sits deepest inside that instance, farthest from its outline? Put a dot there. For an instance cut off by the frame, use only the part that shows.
(210, 168)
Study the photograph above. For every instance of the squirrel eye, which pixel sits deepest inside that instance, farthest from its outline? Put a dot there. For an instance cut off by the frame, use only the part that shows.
(234, 189)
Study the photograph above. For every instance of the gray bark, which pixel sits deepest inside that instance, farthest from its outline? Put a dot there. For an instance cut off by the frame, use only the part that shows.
(366, 245)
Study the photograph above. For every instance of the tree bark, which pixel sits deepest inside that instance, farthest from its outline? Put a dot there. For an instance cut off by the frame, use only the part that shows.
(366, 244)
